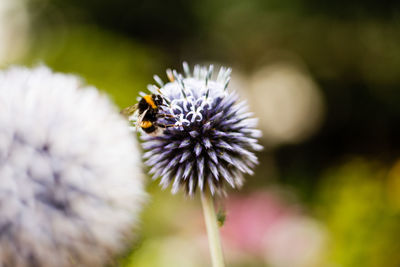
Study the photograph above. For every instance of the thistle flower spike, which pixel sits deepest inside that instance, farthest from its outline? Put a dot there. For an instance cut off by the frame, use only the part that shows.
(213, 141)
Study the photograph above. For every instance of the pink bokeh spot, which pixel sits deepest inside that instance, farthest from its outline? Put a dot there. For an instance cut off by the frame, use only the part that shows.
(250, 218)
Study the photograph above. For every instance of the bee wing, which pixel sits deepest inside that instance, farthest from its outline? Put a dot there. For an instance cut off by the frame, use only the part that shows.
(128, 111)
(140, 119)
(141, 116)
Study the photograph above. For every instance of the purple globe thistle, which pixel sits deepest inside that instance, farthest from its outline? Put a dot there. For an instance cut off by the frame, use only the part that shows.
(211, 137)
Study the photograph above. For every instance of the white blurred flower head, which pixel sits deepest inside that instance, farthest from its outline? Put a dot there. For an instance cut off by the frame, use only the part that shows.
(70, 180)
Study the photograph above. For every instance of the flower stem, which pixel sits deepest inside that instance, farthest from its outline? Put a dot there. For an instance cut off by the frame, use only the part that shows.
(217, 258)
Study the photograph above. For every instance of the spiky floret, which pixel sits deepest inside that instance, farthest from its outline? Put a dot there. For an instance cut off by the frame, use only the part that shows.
(213, 137)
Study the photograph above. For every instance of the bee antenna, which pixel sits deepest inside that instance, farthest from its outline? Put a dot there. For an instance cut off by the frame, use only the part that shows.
(166, 100)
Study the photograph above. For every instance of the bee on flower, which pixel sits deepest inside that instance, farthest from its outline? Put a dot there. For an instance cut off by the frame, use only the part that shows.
(204, 137)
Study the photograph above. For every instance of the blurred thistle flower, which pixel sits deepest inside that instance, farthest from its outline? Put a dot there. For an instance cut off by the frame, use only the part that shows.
(211, 139)
(70, 180)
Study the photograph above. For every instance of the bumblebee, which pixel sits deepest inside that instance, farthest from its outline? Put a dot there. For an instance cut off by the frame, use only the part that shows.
(148, 114)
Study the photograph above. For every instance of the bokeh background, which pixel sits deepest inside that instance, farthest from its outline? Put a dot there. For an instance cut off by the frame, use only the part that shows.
(322, 76)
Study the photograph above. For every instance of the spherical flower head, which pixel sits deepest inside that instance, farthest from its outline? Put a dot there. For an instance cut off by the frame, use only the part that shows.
(70, 179)
(210, 138)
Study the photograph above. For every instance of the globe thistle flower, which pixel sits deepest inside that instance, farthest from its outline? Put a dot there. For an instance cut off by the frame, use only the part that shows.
(70, 180)
(209, 138)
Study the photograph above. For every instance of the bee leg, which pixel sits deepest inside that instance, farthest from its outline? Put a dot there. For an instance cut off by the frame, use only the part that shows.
(165, 105)
(161, 125)
(165, 116)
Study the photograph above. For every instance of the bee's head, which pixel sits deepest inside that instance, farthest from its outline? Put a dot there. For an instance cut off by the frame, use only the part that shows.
(158, 99)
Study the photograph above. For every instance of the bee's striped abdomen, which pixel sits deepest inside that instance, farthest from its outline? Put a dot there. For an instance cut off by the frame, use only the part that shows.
(148, 126)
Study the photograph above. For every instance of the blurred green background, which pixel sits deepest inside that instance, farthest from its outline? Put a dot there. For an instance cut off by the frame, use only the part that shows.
(322, 76)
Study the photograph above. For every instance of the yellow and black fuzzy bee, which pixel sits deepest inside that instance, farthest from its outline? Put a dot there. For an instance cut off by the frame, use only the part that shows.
(148, 114)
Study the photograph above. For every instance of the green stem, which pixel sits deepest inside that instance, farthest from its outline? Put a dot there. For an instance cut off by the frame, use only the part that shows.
(217, 257)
